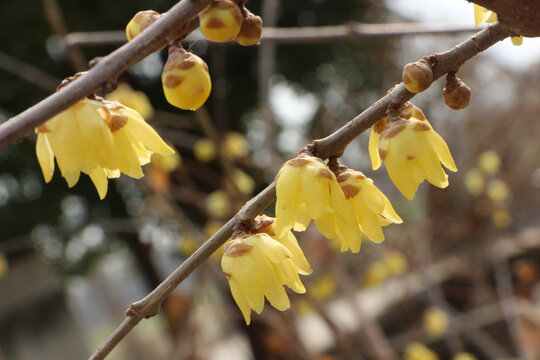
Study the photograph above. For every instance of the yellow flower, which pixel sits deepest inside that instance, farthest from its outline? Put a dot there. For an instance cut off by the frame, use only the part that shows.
(376, 274)
(268, 226)
(258, 266)
(490, 162)
(243, 181)
(497, 191)
(98, 138)
(412, 151)
(137, 100)
(204, 150)
(481, 16)
(235, 145)
(501, 219)
(371, 208)
(218, 204)
(435, 322)
(323, 288)
(396, 263)
(474, 182)
(306, 189)
(166, 163)
(419, 351)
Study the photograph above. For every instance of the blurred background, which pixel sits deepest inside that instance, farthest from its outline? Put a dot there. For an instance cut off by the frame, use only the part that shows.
(458, 280)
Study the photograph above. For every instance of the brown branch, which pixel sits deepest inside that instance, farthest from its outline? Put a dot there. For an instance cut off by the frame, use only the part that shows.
(151, 40)
(332, 145)
(316, 34)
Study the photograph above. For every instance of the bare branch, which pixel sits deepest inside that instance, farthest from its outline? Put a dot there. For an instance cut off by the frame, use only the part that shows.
(333, 145)
(351, 31)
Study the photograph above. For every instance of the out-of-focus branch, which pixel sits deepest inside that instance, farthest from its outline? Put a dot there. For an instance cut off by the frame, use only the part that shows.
(28, 72)
(333, 145)
(55, 18)
(152, 39)
(315, 34)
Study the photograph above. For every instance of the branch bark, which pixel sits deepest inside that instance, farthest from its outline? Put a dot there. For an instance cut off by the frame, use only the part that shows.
(332, 145)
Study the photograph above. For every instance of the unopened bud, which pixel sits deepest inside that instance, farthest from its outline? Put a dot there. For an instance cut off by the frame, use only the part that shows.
(221, 21)
(251, 30)
(140, 22)
(417, 76)
(457, 94)
(185, 78)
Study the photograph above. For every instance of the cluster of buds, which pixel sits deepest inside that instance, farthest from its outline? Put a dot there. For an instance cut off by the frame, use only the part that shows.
(185, 77)
(226, 20)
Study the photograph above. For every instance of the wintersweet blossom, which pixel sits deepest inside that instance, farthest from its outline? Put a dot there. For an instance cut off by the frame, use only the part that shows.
(372, 208)
(258, 266)
(307, 189)
(412, 152)
(481, 16)
(99, 138)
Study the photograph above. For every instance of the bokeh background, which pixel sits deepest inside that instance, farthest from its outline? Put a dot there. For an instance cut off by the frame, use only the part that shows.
(460, 275)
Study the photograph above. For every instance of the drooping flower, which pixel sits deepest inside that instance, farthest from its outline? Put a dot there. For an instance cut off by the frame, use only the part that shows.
(435, 322)
(412, 152)
(268, 226)
(258, 266)
(419, 351)
(99, 138)
(371, 207)
(307, 189)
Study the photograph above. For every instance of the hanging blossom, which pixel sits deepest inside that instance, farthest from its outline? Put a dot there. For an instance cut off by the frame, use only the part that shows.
(371, 207)
(307, 189)
(411, 151)
(99, 138)
(481, 16)
(258, 265)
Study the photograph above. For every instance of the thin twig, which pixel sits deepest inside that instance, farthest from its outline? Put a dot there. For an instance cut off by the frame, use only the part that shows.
(315, 34)
(332, 145)
(110, 67)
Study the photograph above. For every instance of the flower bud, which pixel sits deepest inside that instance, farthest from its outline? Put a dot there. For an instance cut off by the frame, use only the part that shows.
(456, 93)
(140, 22)
(185, 78)
(221, 21)
(251, 30)
(417, 76)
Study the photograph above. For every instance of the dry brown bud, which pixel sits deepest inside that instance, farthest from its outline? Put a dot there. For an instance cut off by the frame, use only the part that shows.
(251, 30)
(457, 94)
(417, 76)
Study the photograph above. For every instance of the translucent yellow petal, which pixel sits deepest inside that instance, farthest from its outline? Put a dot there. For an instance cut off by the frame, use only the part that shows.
(326, 226)
(45, 156)
(404, 177)
(370, 225)
(517, 40)
(316, 195)
(389, 212)
(301, 218)
(287, 189)
(99, 178)
(290, 270)
(441, 149)
(290, 242)
(65, 141)
(250, 281)
(112, 173)
(71, 177)
(266, 281)
(492, 18)
(430, 162)
(371, 197)
(273, 249)
(96, 139)
(241, 300)
(146, 134)
(480, 14)
(127, 159)
(349, 232)
(374, 150)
